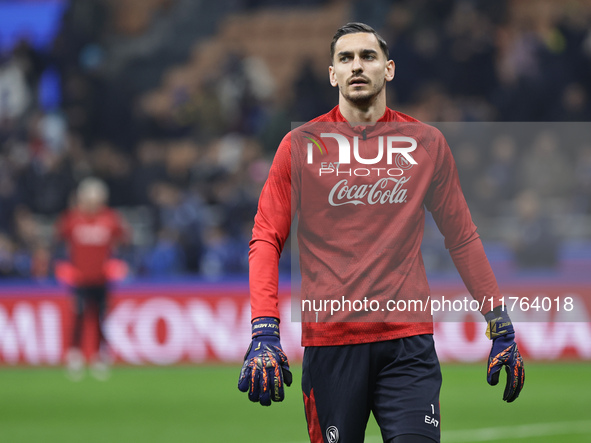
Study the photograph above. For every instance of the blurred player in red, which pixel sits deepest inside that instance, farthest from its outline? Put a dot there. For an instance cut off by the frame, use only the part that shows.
(359, 178)
(91, 230)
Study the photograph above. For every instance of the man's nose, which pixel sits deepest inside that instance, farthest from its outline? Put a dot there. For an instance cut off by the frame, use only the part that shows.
(356, 66)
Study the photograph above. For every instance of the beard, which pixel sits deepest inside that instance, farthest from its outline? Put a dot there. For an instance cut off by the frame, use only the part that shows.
(365, 97)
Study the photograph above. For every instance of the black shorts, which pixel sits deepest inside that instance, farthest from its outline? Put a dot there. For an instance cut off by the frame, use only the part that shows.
(91, 296)
(398, 380)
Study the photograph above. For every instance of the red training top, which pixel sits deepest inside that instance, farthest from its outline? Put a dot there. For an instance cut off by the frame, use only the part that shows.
(360, 193)
(90, 238)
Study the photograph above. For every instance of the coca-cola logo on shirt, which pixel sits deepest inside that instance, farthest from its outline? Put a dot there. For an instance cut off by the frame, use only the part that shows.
(92, 234)
(386, 190)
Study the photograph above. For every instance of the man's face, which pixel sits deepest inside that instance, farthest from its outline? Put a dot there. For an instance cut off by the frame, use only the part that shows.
(360, 68)
(91, 200)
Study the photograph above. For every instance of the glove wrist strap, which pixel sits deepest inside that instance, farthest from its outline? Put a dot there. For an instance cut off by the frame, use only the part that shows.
(265, 326)
(499, 323)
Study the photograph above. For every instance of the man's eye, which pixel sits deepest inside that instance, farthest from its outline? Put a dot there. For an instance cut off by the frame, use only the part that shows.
(370, 57)
(344, 59)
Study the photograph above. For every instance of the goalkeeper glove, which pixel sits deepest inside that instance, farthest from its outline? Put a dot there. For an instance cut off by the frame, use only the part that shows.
(265, 367)
(505, 353)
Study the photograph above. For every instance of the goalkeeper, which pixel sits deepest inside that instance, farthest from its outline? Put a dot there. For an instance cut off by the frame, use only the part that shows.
(361, 219)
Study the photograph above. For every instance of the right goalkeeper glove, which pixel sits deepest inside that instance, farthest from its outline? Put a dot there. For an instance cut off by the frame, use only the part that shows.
(265, 367)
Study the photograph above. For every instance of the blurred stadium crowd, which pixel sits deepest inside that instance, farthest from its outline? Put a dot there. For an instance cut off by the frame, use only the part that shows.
(178, 105)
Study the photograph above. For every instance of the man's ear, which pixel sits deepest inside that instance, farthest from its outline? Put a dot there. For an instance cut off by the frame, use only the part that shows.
(332, 77)
(390, 70)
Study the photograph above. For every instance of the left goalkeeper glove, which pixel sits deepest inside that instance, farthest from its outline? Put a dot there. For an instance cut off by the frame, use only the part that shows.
(505, 353)
(265, 367)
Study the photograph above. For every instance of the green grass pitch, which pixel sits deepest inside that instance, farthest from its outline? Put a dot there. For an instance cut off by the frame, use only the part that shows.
(202, 404)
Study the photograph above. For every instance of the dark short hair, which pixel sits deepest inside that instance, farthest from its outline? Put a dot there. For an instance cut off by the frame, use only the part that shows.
(354, 28)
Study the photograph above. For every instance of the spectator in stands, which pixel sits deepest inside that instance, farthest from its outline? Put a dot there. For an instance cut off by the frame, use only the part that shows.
(535, 243)
(502, 168)
(149, 169)
(31, 61)
(582, 173)
(165, 258)
(8, 199)
(469, 163)
(27, 239)
(223, 255)
(185, 215)
(6, 257)
(15, 96)
(547, 168)
(114, 167)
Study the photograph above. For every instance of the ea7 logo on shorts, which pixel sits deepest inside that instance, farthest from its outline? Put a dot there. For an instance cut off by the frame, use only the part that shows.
(431, 421)
(395, 146)
(332, 434)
